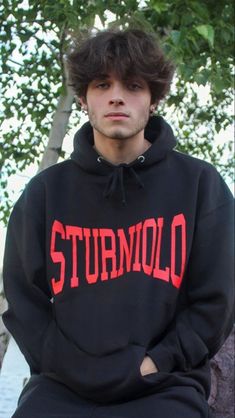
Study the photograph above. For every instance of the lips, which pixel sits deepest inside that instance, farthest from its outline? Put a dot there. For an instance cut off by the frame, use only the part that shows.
(117, 114)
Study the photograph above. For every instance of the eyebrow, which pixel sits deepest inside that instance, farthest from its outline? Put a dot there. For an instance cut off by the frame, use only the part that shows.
(136, 79)
(102, 77)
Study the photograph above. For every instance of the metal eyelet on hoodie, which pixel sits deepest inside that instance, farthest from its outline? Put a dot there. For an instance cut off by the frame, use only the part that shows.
(116, 177)
(141, 158)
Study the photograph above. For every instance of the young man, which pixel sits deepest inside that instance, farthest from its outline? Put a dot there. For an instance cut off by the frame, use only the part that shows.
(118, 264)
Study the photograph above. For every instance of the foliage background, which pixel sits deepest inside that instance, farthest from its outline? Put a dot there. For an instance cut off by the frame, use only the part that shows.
(34, 37)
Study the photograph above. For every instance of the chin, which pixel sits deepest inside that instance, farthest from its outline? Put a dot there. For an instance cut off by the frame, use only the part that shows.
(117, 135)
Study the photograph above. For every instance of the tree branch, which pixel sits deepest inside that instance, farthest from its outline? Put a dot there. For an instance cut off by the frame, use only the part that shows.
(14, 62)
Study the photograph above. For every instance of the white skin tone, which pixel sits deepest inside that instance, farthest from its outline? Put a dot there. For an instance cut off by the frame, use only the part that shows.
(118, 112)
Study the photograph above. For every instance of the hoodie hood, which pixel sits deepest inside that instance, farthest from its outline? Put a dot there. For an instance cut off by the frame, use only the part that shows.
(157, 131)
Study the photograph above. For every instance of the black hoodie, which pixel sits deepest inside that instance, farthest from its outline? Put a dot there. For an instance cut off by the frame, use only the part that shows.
(107, 264)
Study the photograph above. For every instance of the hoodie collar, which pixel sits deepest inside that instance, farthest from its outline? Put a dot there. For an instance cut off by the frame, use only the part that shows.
(157, 131)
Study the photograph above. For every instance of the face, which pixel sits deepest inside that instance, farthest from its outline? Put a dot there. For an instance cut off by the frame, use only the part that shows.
(118, 109)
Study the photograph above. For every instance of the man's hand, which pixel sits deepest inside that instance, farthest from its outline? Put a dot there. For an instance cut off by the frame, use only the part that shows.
(148, 366)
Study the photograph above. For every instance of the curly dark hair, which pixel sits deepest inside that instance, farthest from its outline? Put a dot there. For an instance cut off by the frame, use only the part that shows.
(128, 53)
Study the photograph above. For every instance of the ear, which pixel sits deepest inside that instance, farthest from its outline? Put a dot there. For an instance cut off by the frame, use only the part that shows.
(155, 104)
(82, 102)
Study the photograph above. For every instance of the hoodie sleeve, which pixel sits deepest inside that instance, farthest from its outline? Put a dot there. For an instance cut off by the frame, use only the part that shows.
(29, 300)
(202, 325)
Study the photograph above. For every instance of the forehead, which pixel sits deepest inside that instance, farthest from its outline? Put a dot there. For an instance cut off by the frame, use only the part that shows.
(112, 76)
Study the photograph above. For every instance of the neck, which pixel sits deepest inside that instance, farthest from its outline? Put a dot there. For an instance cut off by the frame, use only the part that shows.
(119, 151)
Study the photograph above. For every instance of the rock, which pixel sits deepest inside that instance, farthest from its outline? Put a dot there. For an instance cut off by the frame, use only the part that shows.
(4, 336)
(221, 399)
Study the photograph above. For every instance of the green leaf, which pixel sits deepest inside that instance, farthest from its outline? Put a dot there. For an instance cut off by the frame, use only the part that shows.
(207, 32)
(175, 36)
(219, 84)
(160, 6)
(38, 35)
(202, 77)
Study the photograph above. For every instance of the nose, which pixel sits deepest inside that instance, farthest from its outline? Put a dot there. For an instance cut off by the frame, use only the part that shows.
(117, 101)
(117, 95)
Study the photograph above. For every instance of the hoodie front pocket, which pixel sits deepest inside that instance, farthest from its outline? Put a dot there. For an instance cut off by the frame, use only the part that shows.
(104, 379)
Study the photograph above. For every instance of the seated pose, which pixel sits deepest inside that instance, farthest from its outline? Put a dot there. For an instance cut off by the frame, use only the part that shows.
(118, 261)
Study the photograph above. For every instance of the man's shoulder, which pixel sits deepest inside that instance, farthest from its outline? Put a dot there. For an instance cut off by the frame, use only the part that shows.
(51, 174)
(209, 181)
(35, 191)
(190, 159)
(192, 163)
(54, 170)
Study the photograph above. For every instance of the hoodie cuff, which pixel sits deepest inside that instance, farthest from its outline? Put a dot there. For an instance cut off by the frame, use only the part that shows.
(181, 349)
(163, 359)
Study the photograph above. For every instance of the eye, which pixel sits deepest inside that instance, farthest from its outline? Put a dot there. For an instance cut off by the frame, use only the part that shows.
(134, 86)
(102, 85)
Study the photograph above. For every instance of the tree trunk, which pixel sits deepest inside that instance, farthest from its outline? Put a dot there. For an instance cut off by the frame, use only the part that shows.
(58, 130)
(221, 399)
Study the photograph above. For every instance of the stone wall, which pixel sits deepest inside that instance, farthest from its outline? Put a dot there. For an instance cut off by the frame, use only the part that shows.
(222, 374)
(3, 332)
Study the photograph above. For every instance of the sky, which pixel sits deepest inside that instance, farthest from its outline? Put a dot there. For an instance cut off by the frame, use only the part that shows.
(18, 181)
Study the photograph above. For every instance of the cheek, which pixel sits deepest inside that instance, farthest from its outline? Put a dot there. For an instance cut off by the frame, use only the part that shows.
(96, 105)
(148, 101)
(91, 105)
(142, 105)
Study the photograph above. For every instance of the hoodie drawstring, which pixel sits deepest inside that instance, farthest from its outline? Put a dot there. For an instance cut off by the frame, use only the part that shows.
(116, 179)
